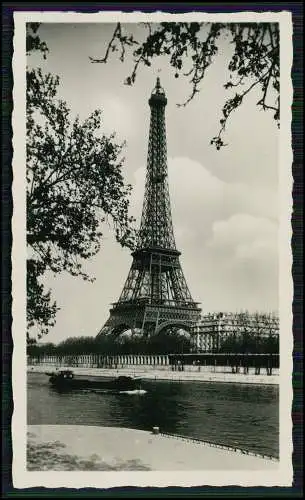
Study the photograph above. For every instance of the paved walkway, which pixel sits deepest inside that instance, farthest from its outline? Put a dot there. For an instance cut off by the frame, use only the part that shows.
(74, 447)
(165, 374)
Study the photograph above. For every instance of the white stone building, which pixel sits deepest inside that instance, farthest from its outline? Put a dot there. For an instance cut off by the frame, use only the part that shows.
(214, 328)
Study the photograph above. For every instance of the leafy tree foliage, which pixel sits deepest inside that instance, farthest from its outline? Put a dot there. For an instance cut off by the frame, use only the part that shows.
(192, 48)
(245, 344)
(74, 185)
(170, 342)
(77, 345)
(271, 344)
(33, 41)
(40, 350)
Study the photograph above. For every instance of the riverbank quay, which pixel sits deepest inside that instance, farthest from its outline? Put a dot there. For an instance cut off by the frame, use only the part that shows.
(77, 447)
(163, 375)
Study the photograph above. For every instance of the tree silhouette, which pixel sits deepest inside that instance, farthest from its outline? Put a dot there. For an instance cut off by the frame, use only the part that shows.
(75, 185)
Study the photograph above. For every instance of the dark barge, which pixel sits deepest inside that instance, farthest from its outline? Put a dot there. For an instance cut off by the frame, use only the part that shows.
(66, 380)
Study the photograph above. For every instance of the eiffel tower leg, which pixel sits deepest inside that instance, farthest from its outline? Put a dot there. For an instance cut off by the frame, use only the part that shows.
(149, 329)
(116, 324)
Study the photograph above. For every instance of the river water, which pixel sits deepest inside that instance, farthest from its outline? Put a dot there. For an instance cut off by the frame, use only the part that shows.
(240, 415)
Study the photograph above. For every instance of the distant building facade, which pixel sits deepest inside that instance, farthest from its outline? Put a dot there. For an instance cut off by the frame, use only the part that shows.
(213, 329)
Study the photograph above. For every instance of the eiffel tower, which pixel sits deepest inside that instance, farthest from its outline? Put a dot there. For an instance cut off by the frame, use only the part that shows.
(155, 295)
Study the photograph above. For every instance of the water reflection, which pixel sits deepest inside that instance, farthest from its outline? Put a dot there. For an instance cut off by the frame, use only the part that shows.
(160, 406)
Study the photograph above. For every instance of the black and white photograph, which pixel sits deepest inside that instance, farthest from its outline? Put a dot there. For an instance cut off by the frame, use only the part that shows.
(151, 267)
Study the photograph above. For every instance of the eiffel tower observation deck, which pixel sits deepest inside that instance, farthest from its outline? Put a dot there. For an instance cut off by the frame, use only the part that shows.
(155, 295)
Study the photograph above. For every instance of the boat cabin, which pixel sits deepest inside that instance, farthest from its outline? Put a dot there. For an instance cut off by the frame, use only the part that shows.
(64, 374)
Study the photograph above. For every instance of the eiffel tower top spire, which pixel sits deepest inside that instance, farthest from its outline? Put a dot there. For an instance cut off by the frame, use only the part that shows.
(156, 229)
(158, 95)
(158, 89)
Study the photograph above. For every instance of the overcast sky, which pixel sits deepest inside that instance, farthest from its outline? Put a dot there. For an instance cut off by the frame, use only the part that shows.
(224, 203)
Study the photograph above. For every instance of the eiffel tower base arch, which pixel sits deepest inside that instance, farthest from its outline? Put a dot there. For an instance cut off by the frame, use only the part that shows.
(149, 320)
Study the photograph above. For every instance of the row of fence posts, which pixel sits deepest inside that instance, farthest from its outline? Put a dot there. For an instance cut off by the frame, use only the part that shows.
(189, 439)
(149, 362)
(100, 361)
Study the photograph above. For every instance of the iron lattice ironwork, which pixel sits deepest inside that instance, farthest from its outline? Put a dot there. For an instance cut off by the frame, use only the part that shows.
(155, 294)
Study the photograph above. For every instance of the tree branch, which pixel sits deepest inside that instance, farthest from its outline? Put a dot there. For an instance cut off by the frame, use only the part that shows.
(109, 46)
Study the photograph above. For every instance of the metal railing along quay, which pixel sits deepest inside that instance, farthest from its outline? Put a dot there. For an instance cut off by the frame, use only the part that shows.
(218, 445)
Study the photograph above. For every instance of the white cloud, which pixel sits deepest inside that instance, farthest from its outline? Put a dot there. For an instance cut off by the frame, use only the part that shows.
(242, 231)
(255, 250)
(199, 198)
